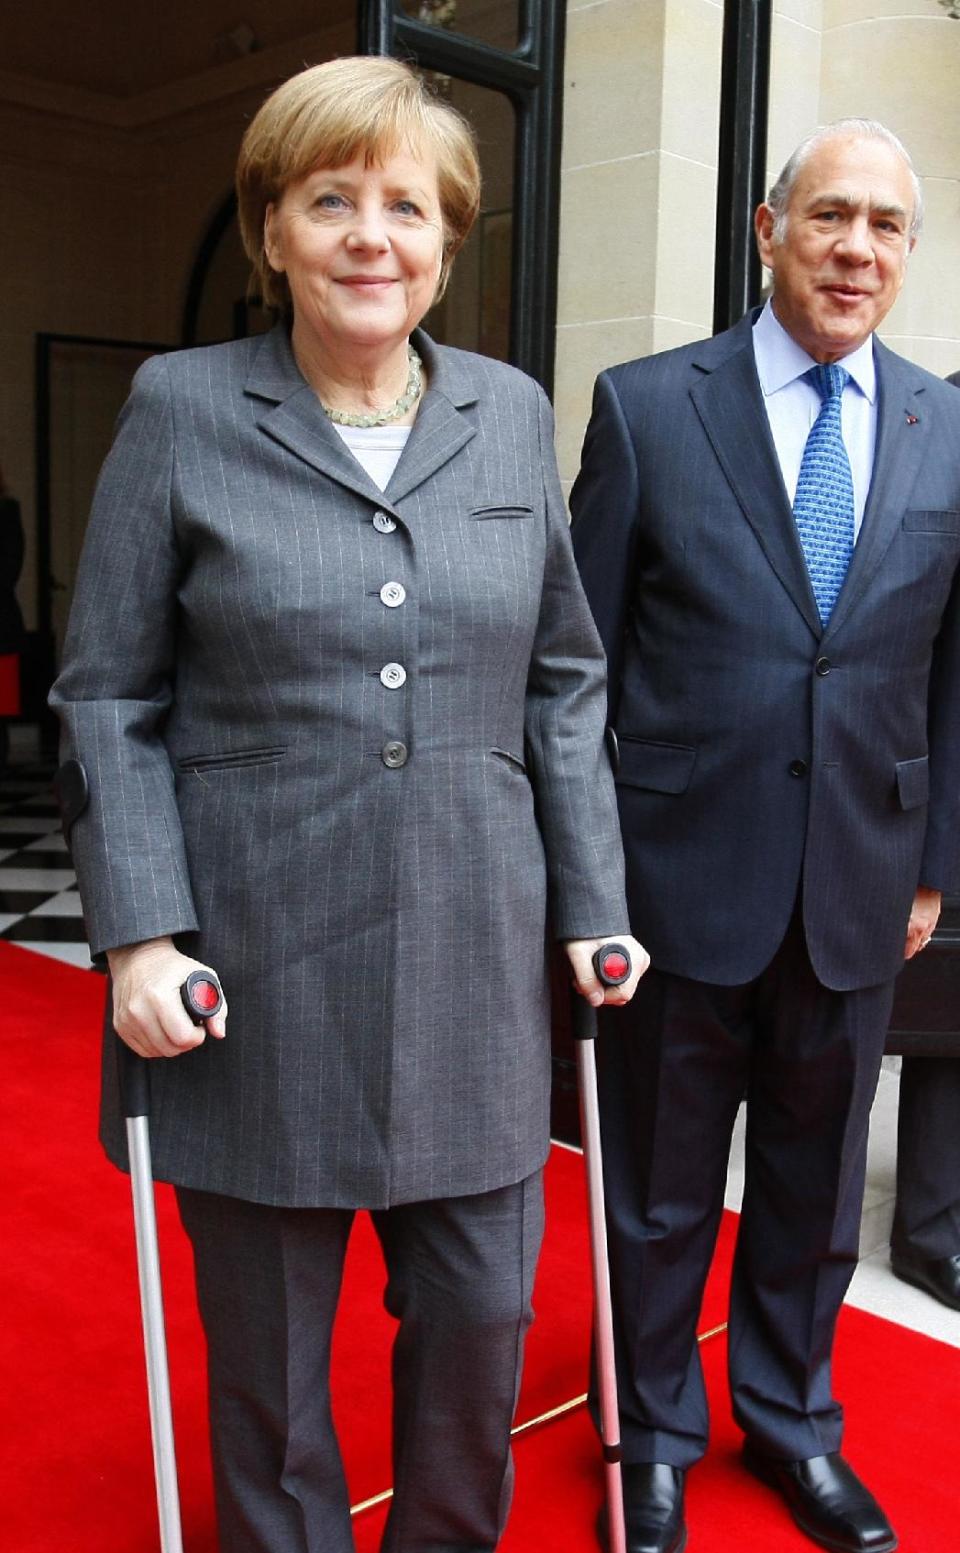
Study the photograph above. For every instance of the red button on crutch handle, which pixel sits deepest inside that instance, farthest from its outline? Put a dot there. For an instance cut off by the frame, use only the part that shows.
(201, 996)
(612, 964)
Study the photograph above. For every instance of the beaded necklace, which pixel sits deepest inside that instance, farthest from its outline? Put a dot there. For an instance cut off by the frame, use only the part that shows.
(393, 412)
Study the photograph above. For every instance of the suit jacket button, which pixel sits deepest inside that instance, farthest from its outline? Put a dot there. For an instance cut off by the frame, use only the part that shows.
(823, 666)
(798, 768)
(394, 754)
(383, 523)
(393, 675)
(392, 594)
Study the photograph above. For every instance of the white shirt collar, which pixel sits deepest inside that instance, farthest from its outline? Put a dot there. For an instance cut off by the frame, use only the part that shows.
(780, 360)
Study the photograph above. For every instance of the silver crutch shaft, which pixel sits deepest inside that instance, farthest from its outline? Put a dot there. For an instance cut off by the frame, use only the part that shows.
(612, 965)
(602, 1309)
(154, 1335)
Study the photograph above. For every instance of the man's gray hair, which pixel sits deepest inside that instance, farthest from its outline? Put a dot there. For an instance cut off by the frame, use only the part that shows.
(865, 129)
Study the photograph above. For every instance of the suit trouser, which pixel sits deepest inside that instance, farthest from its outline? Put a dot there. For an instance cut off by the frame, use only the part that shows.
(927, 1217)
(460, 1276)
(674, 1067)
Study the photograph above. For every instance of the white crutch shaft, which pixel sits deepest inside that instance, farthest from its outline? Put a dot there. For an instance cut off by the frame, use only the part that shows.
(602, 1309)
(154, 1336)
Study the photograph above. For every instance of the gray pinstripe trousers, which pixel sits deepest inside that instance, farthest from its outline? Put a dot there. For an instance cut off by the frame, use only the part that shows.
(460, 1278)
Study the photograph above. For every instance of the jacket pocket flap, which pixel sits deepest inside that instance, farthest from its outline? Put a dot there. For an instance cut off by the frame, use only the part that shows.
(913, 782)
(944, 521)
(509, 759)
(665, 768)
(502, 510)
(232, 760)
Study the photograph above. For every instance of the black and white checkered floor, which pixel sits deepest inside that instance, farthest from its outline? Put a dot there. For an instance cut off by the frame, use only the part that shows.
(39, 903)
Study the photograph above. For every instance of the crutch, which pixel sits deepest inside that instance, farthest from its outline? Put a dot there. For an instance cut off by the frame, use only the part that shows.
(201, 997)
(612, 965)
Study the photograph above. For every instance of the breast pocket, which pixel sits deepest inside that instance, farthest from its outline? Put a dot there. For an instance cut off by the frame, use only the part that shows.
(501, 510)
(231, 760)
(940, 521)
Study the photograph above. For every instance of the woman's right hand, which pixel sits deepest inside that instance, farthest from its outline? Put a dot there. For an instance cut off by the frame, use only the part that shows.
(147, 1012)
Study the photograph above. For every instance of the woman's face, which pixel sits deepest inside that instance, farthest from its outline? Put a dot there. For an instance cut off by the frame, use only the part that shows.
(361, 247)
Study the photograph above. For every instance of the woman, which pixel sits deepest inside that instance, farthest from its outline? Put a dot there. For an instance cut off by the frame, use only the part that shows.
(341, 707)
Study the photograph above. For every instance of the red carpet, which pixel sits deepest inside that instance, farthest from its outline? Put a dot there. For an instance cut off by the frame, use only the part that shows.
(75, 1468)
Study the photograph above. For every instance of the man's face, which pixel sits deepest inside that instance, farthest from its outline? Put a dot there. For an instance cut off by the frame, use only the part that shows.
(843, 256)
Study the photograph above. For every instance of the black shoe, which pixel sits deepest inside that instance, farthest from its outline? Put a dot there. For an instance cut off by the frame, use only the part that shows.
(827, 1500)
(941, 1278)
(653, 1508)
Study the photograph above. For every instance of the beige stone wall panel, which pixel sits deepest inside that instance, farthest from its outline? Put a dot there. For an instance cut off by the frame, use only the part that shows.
(692, 57)
(686, 231)
(584, 350)
(608, 228)
(809, 13)
(905, 71)
(838, 13)
(613, 80)
(795, 65)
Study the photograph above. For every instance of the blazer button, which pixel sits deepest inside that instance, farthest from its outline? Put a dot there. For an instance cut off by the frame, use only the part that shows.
(394, 754)
(392, 594)
(383, 523)
(798, 768)
(823, 666)
(393, 675)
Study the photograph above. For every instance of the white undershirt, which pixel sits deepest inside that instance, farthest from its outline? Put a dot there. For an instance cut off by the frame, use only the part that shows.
(377, 448)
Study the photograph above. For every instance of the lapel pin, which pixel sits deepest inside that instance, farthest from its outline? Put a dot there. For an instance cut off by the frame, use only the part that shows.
(912, 420)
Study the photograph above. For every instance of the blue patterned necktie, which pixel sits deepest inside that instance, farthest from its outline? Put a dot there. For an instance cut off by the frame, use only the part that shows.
(823, 505)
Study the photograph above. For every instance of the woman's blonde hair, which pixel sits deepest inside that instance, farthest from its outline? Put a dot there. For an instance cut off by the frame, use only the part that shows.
(365, 105)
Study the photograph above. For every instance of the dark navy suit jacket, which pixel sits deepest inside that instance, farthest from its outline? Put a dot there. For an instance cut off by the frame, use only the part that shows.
(763, 758)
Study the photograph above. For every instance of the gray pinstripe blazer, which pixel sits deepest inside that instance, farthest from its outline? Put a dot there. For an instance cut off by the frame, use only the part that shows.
(379, 928)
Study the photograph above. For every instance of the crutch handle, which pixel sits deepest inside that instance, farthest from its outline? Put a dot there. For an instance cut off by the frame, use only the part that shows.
(202, 997)
(613, 966)
(134, 1081)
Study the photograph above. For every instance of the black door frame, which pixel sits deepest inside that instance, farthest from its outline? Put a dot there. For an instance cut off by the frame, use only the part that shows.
(531, 75)
(39, 667)
(741, 157)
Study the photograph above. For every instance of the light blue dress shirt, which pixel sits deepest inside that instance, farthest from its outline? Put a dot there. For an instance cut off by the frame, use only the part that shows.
(792, 405)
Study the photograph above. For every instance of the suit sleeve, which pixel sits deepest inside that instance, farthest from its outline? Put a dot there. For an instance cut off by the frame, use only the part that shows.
(940, 865)
(115, 686)
(605, 504)
(564, 717)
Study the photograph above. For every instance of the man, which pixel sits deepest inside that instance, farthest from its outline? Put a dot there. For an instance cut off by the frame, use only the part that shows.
(925, 1244)
(785, 689)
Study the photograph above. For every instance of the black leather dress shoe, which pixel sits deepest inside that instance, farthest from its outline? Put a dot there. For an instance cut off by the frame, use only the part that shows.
(941, 1278)
(827, 1500)
(653, 1509)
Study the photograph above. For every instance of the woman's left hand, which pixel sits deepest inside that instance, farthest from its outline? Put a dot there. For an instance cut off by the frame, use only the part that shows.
(580, 953)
